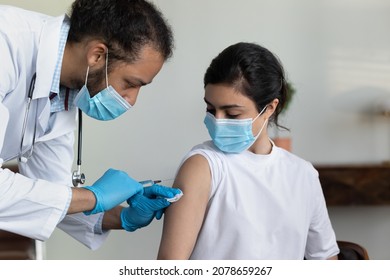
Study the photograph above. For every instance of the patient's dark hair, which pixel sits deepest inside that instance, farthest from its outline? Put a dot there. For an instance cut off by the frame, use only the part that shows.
(125, 26)
(253, 71)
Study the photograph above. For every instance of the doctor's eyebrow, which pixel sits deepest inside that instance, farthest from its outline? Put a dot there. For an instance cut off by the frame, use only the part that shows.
(137, 82)
(224, 107)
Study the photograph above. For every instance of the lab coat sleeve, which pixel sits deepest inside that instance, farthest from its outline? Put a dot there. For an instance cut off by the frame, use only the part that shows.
(8, 69)
(4, 116)
(52, 161)
(85, 229)
(30, 207)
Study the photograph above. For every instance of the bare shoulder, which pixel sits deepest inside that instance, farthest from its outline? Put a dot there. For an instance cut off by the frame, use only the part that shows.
(194, 177)
(183, 219)
(195, 169)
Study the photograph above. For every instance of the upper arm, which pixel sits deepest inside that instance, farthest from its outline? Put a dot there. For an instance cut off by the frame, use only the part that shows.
(7, 83)
(183, 219)
(4, 116)
(321, 242)
(8, 69)
(51, 160)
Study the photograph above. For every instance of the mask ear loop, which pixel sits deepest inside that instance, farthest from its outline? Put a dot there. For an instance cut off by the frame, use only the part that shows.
(107, 68)
(86, 76)
(258, 134)
(261, 112)
(266, 121)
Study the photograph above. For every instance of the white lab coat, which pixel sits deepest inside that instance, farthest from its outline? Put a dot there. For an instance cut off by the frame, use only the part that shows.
(33, 202)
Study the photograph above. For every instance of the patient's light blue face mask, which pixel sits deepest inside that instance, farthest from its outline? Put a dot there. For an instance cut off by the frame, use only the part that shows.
(232, 135)
(106, 105)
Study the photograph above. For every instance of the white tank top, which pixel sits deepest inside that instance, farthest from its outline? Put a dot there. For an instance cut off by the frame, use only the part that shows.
(263, 207)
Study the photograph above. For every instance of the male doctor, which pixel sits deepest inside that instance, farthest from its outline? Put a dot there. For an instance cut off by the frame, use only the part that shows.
(96, 60)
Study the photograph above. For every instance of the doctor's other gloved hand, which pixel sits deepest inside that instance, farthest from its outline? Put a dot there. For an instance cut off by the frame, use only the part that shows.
(114, 187)
(143, 207)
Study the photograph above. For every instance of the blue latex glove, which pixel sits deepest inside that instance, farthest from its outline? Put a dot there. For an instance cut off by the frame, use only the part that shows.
(112, 189)
(144, 207)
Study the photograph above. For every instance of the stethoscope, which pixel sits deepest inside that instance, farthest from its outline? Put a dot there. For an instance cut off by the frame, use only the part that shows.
(24, 157)
(77, 176)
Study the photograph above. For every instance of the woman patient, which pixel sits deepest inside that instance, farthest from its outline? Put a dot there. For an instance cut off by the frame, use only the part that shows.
(245, 198)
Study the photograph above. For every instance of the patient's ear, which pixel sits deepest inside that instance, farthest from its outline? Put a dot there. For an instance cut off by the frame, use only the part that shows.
(271, 107)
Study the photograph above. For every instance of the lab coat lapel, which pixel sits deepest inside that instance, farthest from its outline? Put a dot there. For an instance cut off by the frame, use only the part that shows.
(46, 62)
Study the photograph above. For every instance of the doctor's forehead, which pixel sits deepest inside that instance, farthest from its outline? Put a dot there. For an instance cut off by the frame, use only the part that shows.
(142, 70)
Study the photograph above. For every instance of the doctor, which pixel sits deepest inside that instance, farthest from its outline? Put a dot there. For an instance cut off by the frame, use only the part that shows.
(96, 60)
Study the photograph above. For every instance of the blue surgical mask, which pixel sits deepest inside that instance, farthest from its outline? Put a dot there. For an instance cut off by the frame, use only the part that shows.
(106, 105)
(232, 135)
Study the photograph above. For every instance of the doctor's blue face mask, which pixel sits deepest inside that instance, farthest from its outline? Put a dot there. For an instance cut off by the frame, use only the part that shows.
(106, 105)
(232, 135)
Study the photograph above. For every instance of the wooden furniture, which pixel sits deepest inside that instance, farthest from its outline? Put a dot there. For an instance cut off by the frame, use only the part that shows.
(351, 251)
(346, 185)
(14, 246)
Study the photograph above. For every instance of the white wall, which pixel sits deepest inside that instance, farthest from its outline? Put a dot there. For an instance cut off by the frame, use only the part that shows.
(337, 54)
(44, 6)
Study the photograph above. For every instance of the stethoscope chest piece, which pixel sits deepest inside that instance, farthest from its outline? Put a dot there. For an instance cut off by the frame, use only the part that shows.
(78, 178)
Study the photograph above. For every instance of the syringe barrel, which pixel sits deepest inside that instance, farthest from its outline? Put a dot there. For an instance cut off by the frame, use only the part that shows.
(148, 183)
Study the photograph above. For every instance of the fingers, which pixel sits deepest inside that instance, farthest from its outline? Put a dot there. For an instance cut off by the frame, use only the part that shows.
(159, 214)
(135, 199)
(159, 204)
(162, 191)
(146, 203)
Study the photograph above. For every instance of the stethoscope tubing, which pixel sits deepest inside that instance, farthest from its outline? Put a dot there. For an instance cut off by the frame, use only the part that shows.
(29, 99)
(77, 176)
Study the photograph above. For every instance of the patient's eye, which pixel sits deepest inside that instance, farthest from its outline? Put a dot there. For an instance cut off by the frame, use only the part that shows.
(233, 113)
(232, 116)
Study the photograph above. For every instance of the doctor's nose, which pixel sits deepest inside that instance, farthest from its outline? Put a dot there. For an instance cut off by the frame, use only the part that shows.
(131, 96)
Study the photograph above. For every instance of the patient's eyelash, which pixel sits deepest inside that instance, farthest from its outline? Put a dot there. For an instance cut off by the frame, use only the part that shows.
(232, 116)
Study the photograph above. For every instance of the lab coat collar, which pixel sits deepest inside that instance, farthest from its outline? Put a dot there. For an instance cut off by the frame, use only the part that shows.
(46, 62)
(47, 56)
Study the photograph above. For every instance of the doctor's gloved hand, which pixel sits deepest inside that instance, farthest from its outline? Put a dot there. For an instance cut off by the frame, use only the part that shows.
(114, 187)
(144, 207)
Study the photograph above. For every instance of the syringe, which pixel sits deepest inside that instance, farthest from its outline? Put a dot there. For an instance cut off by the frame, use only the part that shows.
(148, 183)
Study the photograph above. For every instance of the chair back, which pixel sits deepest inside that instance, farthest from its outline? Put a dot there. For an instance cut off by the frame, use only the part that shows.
(351, 251)
(16, 247)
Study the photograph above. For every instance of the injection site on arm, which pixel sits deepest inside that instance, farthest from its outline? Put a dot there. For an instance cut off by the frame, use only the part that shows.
(150, 182)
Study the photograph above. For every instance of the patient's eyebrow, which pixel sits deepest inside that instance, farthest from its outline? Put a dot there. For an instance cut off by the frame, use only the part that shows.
(224, 107)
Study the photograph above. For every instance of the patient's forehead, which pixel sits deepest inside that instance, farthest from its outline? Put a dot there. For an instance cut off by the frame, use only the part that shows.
(222, 94)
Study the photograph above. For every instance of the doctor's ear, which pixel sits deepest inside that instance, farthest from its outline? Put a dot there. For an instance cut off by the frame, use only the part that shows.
(96, 53)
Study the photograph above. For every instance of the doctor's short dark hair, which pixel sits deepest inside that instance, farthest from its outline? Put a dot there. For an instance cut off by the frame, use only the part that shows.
(253, 71)
(125, 26)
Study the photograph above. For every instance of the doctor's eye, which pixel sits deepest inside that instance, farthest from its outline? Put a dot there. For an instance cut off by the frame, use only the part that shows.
(131, 85)
(211, 111)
